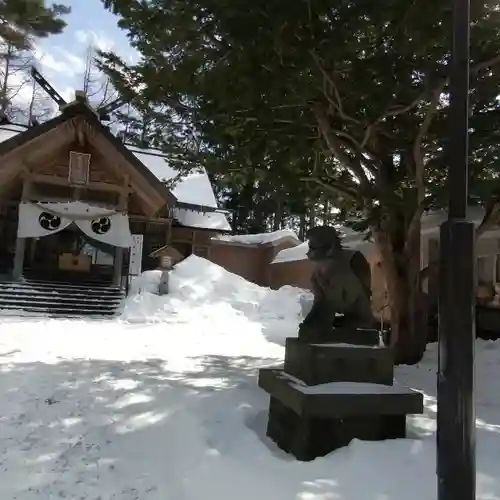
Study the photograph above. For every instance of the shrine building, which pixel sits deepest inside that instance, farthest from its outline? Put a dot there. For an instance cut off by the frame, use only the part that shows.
(79, 205)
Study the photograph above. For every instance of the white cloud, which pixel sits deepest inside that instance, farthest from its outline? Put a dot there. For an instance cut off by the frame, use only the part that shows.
(59, 60)
(98, 40)
(76, 62)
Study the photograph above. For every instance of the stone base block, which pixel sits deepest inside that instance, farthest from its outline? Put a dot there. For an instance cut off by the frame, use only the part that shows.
(323, 363)
(312, 421)
(310, 438)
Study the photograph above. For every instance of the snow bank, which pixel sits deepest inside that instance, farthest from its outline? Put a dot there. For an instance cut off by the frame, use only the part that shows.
(260, 239)
(200, 288)
(148, 281)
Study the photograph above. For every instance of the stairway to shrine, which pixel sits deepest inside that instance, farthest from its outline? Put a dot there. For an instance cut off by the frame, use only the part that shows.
(36, 297)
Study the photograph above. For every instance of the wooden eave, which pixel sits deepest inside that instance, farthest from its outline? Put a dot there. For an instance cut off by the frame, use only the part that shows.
(152, 193)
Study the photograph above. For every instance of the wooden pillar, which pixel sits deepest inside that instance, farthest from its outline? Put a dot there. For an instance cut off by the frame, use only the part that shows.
(119, 253)
(169, 232)
(17, 270)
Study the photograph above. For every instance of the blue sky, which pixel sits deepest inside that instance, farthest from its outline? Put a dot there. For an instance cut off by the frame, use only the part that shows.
(63, 56)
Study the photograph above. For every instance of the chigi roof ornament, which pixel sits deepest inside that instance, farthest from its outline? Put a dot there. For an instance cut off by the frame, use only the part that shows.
(103, 112)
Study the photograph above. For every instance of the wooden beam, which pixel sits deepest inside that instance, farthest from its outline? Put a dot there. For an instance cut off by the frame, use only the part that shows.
(151, 220)
(62, 181)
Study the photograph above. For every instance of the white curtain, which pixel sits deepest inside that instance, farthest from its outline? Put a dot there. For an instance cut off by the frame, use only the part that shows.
(41, 219)
(35, 222)
(113, 230)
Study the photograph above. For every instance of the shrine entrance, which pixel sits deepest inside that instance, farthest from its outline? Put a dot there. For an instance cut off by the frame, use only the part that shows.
(69, 255)
(72, 241)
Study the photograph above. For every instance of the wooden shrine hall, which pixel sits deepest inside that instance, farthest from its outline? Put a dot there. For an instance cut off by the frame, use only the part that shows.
(77, 203)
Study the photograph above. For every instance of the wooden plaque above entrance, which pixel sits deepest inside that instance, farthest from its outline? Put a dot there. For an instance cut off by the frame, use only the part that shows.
(79, 168)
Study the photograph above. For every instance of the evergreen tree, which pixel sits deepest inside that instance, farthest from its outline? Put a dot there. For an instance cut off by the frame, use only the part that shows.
(21, 23)
(362, 84)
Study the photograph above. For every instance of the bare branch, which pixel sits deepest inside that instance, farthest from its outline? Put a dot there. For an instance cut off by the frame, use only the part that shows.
(485, 64)
(332, 186)
(353, 165)
(419, 160)
(338, 104)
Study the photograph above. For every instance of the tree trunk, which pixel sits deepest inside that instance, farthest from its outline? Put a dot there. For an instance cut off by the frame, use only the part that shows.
(278, 215)
(401, 268)
(4, 86)
(302, 226)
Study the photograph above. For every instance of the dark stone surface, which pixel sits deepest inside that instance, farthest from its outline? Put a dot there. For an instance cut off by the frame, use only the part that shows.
(322, 363)
(312, 437)
(339, 335)
(335, 404)
(341, 285)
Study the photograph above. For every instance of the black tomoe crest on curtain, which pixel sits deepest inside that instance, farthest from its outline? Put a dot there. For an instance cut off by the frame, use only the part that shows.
(49, 222)
(101, 226)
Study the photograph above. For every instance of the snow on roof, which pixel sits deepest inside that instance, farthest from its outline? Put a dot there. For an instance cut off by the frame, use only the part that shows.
(292, 254)
(355, 241)
(433, 219)
(272, 238)
(209, 220)
(194, 188)
(7, 131)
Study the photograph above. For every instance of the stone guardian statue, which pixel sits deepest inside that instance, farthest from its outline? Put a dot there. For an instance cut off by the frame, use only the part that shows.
(341, 285)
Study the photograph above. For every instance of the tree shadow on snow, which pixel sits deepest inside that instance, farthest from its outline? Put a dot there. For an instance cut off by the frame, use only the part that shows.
(151, 430)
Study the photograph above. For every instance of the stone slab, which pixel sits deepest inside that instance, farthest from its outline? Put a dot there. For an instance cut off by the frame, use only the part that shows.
(338, 362)
(339, 399)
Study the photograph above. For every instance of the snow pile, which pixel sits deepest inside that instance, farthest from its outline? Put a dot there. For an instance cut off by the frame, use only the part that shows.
(199, 288)
(146, 282)
(272, 238)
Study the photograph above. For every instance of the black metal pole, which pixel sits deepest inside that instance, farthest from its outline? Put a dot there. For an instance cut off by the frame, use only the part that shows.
(456, 466)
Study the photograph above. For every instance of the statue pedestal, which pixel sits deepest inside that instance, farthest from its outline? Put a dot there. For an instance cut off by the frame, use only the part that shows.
(332, 392)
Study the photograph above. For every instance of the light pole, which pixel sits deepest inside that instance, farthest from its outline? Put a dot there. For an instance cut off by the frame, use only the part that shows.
(456, 466)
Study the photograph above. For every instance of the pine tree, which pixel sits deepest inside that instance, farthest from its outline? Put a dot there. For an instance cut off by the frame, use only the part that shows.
(21, 23)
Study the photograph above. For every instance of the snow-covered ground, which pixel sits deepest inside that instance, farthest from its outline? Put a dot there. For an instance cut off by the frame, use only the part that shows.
(163, 405)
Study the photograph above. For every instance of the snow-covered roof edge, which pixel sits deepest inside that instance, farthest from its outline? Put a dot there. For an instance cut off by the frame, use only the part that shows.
(256, 240)
(351, 240)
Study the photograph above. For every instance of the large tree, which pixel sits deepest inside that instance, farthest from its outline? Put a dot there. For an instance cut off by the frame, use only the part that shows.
(353, 91)
(22, 22)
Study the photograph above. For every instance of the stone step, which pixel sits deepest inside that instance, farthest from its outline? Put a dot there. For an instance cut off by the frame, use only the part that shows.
(47, 287)
(16, 313)
(62, 304)
(57, 297)
(51, 311)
